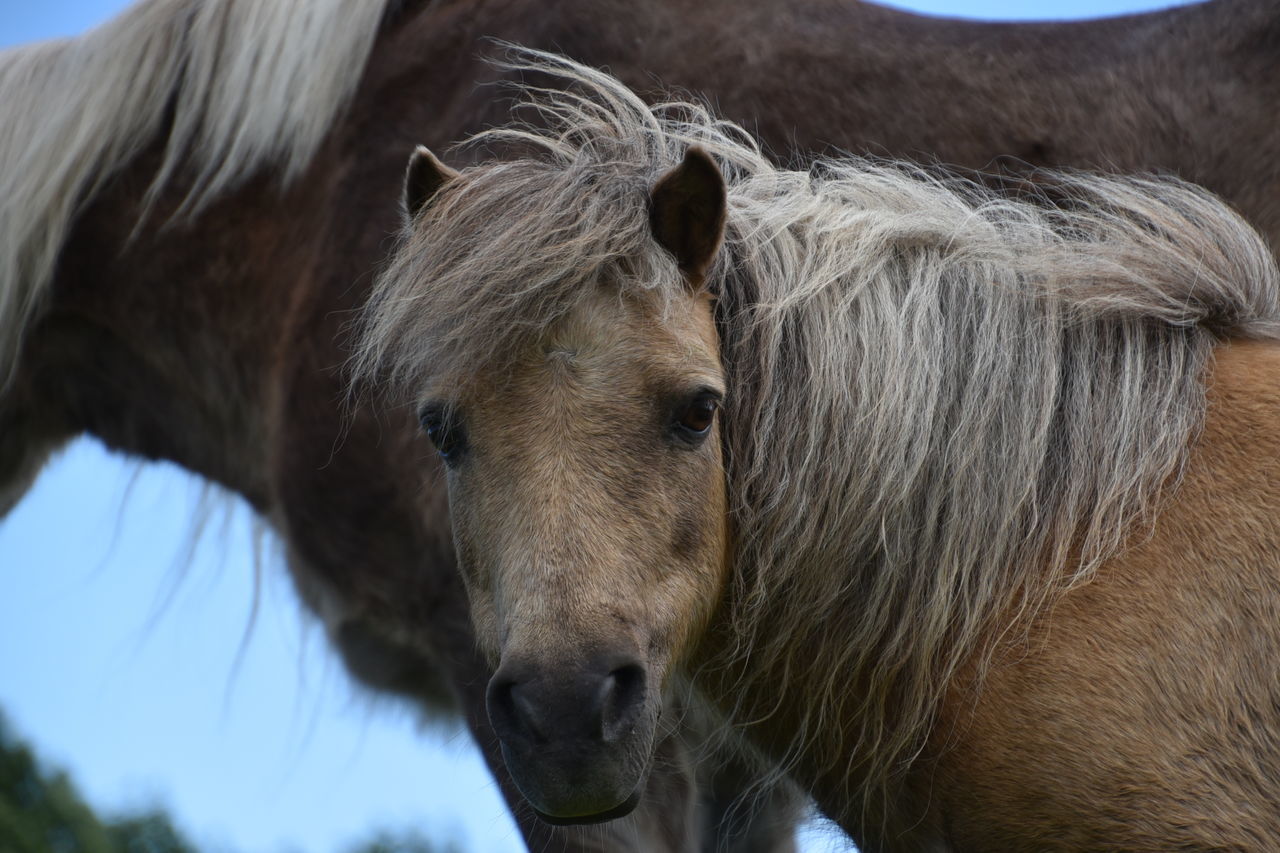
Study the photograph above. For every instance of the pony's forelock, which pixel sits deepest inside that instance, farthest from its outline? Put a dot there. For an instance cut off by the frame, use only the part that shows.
(946, 404)
(537, 231)
(243, 83)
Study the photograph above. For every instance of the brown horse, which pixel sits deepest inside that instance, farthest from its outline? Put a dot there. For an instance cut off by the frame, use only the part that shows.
(192, 199)
(961, 505)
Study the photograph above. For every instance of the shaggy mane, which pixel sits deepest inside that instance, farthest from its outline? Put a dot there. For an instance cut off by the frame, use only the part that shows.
(242, 83)
(946, 404)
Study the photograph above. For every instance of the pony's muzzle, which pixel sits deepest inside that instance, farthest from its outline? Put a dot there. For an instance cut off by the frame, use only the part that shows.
(576, 739)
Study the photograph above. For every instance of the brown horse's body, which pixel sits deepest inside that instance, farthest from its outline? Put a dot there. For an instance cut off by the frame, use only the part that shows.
(216, 342)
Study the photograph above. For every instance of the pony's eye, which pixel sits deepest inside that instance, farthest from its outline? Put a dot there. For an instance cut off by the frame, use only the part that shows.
(444, 431)
(695, 418)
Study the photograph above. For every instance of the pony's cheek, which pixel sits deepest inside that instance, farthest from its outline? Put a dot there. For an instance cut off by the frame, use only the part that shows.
(487, 628)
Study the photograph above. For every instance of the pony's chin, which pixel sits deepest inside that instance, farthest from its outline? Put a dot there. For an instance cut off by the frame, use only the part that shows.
(621, 810)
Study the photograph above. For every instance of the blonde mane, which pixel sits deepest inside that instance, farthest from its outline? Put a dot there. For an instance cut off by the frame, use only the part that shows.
(946, 406)
(241, 84)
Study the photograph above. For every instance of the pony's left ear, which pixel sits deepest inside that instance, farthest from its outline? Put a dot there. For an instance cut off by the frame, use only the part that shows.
(425, 177)
(687, 213)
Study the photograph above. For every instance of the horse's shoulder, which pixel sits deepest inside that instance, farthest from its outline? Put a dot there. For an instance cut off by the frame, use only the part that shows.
(1153, 683)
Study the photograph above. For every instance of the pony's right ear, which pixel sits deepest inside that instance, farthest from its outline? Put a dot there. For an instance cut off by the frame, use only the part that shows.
(425, 177)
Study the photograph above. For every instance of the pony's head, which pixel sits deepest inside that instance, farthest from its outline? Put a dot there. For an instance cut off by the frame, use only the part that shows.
(583, 451)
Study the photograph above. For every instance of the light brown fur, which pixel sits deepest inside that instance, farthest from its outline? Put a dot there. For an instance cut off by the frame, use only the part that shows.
(556, 415)
(523, 542)
(1143, 711)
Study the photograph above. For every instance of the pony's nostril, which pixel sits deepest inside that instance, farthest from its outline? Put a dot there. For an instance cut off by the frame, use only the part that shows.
(531, 708)
(511, 712)
(526, 714)
(621, 699)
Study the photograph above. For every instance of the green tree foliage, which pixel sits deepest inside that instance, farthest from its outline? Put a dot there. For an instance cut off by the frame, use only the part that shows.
(152, 832)
(409, 842)
(41, 812)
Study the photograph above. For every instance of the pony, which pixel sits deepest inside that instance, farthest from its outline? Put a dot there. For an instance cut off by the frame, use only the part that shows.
(958, 503)
(192, 204)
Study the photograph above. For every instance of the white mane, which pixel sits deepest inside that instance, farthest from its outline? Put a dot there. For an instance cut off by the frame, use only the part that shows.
(242, 83)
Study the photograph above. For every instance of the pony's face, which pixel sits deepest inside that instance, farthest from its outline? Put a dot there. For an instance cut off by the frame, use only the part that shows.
(588, 504)
(588, 500)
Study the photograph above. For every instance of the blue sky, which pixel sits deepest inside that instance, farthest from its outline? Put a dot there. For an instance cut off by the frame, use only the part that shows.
(135, 661)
